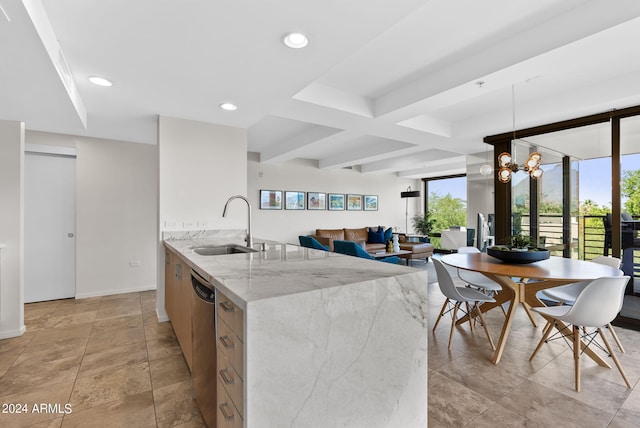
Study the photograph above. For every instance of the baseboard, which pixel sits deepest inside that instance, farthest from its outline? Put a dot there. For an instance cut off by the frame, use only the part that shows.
(117, 291)
(162, 315)
(12, 333)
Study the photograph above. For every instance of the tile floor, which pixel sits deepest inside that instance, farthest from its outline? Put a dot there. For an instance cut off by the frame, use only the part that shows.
(116, 366)
(107, 357)
(466, 389)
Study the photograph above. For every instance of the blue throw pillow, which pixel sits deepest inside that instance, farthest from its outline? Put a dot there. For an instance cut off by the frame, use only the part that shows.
(388, 234)
(376, 236)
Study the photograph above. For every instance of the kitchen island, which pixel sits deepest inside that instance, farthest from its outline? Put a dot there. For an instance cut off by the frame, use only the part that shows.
(325, 340)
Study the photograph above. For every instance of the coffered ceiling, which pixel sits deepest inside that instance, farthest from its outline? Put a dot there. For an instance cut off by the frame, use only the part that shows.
(405, 86)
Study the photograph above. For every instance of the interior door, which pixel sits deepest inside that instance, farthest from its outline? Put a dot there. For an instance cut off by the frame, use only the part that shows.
(49, 227)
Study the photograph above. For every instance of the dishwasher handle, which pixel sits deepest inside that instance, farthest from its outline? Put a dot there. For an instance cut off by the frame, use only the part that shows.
(202, 288)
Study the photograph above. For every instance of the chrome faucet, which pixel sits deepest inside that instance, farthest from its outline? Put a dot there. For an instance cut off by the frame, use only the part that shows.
(249, 238)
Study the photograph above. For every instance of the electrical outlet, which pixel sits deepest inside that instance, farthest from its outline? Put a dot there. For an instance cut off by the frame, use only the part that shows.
(202, 224)
(188, 225)
(170, 223)
(135, 263)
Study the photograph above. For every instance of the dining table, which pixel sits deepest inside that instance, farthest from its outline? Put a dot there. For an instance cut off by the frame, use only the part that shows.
(521, 283)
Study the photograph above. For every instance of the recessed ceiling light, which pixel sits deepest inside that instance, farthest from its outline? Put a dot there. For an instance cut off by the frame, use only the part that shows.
(100, 81)
(295, 40)
(228, 106)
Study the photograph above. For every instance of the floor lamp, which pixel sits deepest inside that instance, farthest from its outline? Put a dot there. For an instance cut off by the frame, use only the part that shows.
(406, 195)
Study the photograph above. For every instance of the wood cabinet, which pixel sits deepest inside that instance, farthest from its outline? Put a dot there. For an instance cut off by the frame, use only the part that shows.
(177, 298)
(230, 376)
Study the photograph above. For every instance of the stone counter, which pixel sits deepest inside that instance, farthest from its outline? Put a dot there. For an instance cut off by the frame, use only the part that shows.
(330, 340)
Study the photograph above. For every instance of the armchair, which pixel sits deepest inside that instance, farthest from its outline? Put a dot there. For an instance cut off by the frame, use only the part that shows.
(351, 248)
(311, 242)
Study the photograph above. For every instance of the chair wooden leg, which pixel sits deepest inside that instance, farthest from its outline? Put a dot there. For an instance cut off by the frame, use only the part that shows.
(503, 311)
(545, 336)
(615, 337)
(453, 322)
(472, 320)
(615, 358)
(576, 355)
(484, 325)
(446, 302)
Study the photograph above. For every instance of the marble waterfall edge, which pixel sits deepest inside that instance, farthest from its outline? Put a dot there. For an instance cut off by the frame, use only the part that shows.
(354, 356)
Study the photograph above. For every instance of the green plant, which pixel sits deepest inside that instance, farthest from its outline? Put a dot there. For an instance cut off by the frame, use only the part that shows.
(423, 223)
(520, 241)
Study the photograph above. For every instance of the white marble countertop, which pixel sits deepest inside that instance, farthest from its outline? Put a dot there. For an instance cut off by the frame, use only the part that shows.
(281, 270)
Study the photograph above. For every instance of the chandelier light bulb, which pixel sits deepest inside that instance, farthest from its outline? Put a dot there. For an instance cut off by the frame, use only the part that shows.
(536, 173)
(504, 175)
(486, 169)
(504, 159)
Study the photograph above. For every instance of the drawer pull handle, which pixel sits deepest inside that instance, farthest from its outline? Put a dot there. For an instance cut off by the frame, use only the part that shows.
(227, 417)
(227, 342)
(225, 378)
(227, 307)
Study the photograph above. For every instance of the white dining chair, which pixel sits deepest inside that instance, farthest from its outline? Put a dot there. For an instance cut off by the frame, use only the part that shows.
(595, 307)
(567, 294)
(458, 296)
(478, 280)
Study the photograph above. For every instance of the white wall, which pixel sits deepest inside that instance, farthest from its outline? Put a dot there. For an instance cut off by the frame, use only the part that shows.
(304, 176)
(200, 166)
(116, 213)
(11, 228)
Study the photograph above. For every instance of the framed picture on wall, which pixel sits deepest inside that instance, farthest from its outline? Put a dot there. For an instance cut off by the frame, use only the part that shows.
(354, 202)
(371, 202)
(316, 201)
(270, 199)
(336, 201)
(294, 200)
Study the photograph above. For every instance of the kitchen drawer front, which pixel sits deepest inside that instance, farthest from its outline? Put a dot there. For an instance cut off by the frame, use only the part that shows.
(231, 346)
(228, 416)
(231, 381)
(231, 314)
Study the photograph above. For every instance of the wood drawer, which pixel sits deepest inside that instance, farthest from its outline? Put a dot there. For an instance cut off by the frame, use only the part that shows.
(228, 416)
(231, 346)
(231, 314)
(232, 382)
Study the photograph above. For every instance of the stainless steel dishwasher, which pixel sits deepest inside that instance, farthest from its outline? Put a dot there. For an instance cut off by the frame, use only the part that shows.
(203, 375)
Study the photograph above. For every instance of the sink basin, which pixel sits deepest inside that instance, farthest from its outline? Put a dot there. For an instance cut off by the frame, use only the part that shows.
(219, 250)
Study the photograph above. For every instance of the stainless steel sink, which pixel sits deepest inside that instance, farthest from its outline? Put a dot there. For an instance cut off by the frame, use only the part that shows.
(218, 250)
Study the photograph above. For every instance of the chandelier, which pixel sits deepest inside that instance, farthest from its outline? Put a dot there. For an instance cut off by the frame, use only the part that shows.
(507, 163)
(508, 166)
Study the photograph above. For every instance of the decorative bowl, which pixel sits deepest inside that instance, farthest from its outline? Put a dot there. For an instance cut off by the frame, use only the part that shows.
(508, 255)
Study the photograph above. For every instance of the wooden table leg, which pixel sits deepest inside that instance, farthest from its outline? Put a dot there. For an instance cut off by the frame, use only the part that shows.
(511, 290)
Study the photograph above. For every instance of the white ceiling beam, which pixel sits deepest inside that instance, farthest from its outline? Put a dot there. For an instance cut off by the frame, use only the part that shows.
(289, 149)
(40, 21)
(406, 162)
(557, 31)
(327, 96)
(372, 152)
(429, 124)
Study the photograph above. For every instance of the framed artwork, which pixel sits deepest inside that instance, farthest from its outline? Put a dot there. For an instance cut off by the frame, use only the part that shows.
(354, 202)
(336, 201)
(294, 200)
(316, 201)
(270, 199)
(371, 202)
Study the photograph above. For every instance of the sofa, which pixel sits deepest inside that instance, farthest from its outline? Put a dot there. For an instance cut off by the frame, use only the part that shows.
(360, 235)
(419, 250)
